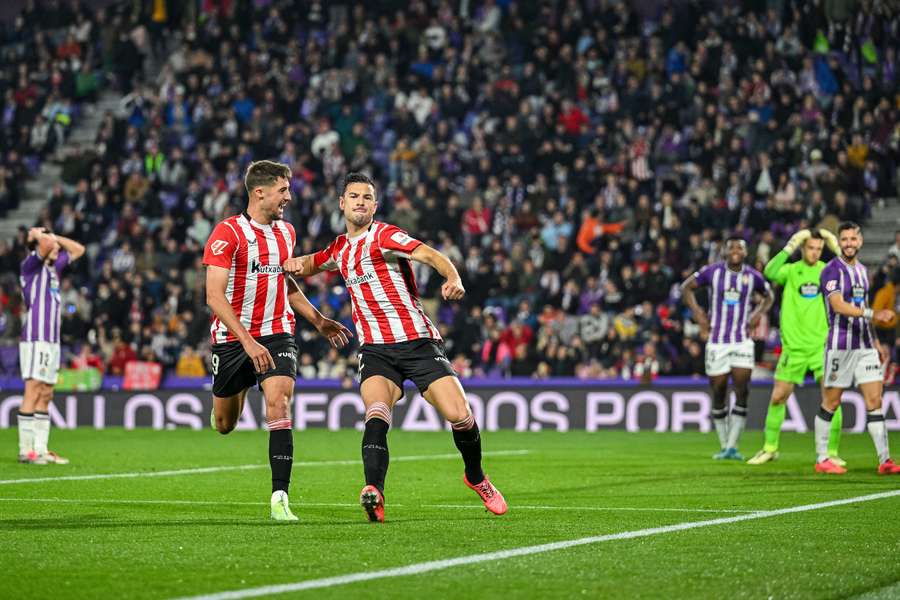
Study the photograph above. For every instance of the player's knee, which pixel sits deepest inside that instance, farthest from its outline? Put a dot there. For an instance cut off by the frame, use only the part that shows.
(278, 407)
(830, 405)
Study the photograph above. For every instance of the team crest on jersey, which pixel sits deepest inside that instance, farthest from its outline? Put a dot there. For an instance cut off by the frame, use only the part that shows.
(745, 279)
(218, 247)
(831, 285)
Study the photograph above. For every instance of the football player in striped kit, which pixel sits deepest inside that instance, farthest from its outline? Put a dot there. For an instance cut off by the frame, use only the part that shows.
(398, 340)
(853, 355)
(729, 349)
(253, 302)
(39, 348)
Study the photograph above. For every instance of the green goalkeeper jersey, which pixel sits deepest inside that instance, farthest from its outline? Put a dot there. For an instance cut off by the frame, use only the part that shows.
(803, 323)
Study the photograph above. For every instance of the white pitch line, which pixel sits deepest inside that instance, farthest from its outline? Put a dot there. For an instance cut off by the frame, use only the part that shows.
(299, 504)
(437, 565)
(603, 508)
(317, 463)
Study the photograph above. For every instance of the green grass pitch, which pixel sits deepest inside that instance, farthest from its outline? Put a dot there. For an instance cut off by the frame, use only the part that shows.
(202, 533)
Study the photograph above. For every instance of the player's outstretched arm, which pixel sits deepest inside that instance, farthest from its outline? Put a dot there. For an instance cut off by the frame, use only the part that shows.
(337, 334)
(690, 299)
(453, 288)
(302, 266)
(216, 283)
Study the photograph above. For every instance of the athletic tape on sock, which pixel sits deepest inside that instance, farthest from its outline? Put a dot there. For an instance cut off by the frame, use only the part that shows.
(465, 424)
(276, 424)
(379, 410)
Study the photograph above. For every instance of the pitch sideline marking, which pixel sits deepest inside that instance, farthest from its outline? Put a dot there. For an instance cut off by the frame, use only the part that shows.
(299, 504)
(437, 565)
(316, 463)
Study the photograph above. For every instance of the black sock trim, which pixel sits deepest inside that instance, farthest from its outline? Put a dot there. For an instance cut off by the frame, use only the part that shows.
(825, 415)
(740, 411)
(720, 413)
(874, 418)
(26, 415)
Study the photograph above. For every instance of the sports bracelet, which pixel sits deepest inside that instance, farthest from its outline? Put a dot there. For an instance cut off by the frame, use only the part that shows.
(867, 314)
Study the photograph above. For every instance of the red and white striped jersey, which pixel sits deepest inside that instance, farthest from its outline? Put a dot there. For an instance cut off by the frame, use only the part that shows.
(377, 272)
(257, 290)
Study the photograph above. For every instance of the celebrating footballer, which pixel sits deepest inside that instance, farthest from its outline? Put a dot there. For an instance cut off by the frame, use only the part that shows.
(398, 340)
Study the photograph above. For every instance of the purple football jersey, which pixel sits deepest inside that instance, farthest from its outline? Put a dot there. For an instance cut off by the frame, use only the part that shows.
(730, 295)
(40, 287)
(852, 282)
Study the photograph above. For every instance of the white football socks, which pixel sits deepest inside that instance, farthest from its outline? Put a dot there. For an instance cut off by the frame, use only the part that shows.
(26, 433)
(875, 425)
(736, 425)
(720, 420)
(823, 430)
(41, 432)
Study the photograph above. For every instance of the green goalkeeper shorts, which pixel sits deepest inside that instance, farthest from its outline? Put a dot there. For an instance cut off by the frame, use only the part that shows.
(793, 365)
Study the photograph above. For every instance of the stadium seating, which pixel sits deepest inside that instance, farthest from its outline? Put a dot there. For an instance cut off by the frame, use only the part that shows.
(577, 163)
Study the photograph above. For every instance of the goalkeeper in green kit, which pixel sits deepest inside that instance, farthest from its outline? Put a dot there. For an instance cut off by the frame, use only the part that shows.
(803, 331)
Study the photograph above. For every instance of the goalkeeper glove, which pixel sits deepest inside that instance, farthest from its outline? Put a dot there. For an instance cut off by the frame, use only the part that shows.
(831, 241)
(797, 240)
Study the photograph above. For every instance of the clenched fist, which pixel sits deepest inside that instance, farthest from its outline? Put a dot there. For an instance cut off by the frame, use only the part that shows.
(296, 265)
(453, 290)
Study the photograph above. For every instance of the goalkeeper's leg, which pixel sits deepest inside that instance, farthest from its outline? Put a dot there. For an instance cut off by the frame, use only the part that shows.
(774, 420)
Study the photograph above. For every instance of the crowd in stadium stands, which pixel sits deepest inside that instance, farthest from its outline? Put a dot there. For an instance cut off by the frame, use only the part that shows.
(576, 159)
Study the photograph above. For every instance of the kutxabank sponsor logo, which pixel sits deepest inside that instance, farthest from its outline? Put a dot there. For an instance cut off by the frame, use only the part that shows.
(360, 279)
(257, 267)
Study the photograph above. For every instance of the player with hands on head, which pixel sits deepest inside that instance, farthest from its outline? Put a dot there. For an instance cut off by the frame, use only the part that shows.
(39, 348)
(803, 327)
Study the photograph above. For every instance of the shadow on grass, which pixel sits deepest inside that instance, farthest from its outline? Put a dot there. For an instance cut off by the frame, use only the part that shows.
(100, 521)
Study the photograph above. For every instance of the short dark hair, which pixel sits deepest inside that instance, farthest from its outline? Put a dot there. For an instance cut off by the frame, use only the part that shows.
(355, 177)
(848, 225)
(33, 244)
(815, 235)
(263, 173)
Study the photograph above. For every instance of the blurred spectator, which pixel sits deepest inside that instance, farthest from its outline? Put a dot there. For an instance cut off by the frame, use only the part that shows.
(190, 364)
(86, 358)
